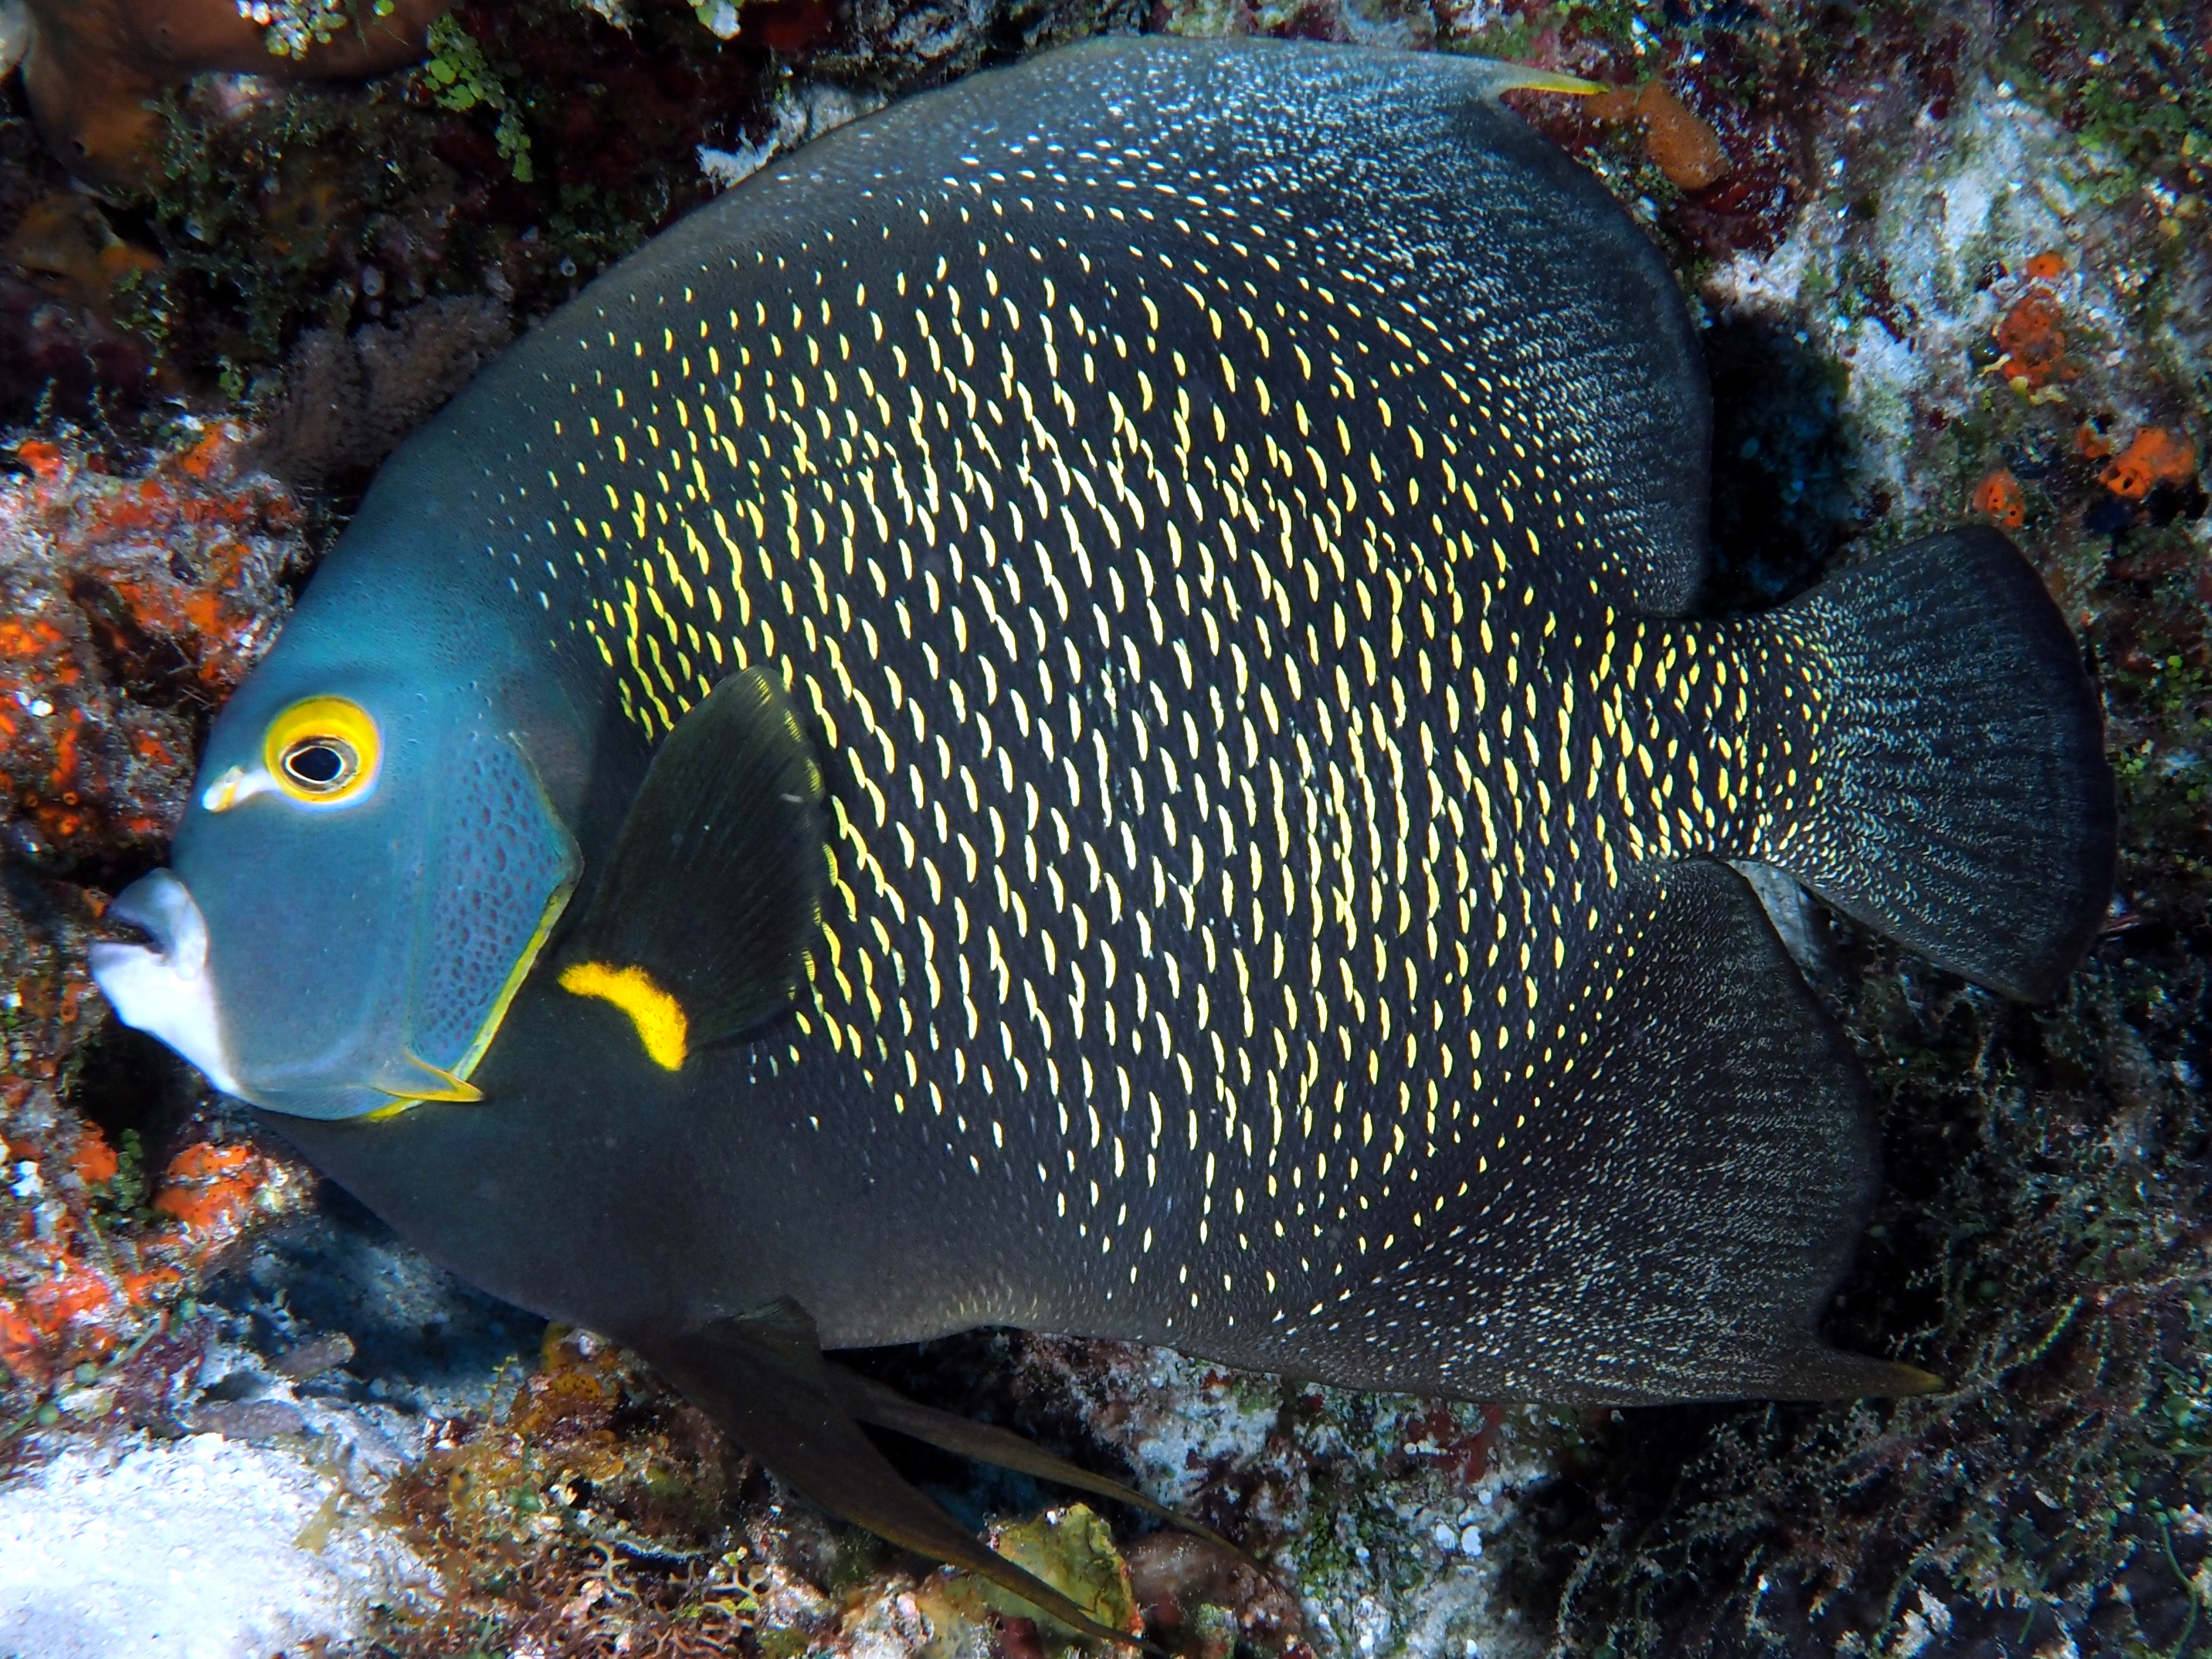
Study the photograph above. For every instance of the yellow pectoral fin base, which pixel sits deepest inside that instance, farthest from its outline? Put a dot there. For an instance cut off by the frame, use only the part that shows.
(661, 1025)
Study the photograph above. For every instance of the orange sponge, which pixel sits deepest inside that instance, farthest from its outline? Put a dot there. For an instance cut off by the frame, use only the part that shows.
(1681, 143)
(2154, 457)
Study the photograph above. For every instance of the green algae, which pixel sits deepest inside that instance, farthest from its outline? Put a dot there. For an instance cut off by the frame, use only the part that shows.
(1070, 1549)
(2128, 78)
(295, 28)
(267, 217)
(463, 80)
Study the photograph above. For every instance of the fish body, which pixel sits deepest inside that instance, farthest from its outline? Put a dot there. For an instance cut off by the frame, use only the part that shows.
(1188, 543)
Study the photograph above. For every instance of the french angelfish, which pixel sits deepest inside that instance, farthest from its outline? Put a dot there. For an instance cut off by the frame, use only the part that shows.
(1074, 708)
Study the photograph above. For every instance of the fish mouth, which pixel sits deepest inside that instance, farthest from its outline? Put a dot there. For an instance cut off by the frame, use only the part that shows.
(163, 987)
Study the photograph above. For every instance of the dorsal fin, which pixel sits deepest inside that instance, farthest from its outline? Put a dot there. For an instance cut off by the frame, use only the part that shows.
(712, 900)
(1610, 353)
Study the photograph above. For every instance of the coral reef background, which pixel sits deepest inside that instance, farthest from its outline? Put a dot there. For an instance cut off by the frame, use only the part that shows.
(1952, 260)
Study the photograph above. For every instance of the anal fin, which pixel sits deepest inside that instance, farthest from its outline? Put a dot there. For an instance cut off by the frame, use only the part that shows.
(763, 1378)
(1738, 1160)
(1669, 1218)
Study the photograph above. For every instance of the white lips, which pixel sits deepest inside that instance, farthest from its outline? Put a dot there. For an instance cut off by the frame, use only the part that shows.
(164, 989)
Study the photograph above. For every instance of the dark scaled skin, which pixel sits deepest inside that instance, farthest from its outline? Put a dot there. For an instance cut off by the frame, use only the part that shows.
(1216, 510)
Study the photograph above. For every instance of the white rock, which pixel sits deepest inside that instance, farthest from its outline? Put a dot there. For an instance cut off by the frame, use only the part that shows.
(204, 1548)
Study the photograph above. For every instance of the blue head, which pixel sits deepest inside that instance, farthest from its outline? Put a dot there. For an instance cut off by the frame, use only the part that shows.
(366, 868)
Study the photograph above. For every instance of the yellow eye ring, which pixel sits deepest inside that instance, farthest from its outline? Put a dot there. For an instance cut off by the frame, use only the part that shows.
(324, 752)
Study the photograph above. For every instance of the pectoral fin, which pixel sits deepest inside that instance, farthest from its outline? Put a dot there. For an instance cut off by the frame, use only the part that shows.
(763, 1378)
(712, 899)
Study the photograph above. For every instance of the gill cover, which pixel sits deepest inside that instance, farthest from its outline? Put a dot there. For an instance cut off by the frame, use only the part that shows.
(359, 894)
(499, 869)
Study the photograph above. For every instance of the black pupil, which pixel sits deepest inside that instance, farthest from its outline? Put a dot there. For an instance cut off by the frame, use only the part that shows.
(316, 763)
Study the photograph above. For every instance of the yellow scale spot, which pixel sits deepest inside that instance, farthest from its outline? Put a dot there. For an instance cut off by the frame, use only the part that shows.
(662, 1027)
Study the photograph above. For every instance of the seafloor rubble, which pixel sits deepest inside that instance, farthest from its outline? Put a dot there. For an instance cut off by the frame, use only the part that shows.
(1953, 262)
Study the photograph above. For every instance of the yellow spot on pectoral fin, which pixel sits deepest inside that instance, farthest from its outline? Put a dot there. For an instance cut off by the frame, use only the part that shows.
(661, 1025)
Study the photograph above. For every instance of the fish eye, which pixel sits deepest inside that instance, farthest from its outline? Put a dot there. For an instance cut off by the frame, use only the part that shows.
(321, 766)
(324, 752)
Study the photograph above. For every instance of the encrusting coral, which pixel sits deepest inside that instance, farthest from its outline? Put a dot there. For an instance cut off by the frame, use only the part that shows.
(132, 600)
(2153, 456)
(1998, 498)
(1679, 143)
(129, 607)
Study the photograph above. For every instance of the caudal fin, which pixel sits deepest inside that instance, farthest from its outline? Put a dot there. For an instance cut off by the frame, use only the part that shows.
(1968, 808)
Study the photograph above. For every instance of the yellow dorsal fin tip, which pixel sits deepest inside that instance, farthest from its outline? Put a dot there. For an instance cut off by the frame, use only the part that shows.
(1524, 77)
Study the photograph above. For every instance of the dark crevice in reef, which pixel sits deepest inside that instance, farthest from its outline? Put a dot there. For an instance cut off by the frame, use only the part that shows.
(419, 1337)
(1781, 493)
(139, 1093)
